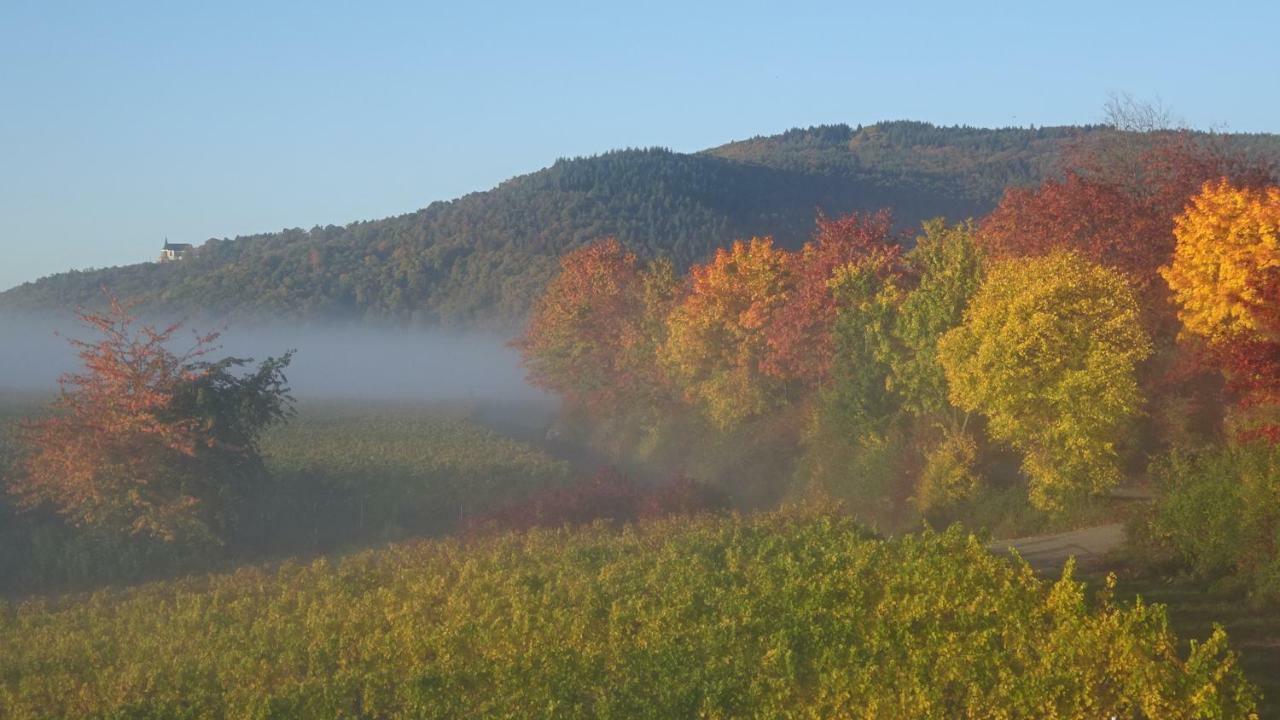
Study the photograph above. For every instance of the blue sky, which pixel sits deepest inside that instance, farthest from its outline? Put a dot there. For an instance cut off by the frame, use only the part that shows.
(122, 123)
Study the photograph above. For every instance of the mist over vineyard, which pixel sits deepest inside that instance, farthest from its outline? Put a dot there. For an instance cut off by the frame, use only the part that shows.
(598, 361)
(334, 361)
(768, 438)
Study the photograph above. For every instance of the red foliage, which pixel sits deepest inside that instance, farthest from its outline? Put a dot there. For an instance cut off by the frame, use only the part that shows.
(682, 495)
(799, 333)
(1252, 370)
(588, 338)
(1099, 220)
(1115, 208)
(112, 454)
(607, 495)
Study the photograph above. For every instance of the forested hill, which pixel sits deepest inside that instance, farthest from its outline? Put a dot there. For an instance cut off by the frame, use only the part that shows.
(480, 260)
(972, 163)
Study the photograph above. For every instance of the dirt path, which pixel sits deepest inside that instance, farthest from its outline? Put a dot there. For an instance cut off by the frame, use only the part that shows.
(1047, 553)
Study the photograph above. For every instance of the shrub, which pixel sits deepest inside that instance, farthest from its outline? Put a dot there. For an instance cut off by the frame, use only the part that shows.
(146, 442)
(682, 495)
(949, 475)
(607, 495)
(1220, 511)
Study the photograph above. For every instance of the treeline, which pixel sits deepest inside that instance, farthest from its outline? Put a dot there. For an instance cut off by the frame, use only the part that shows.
(1119, 314)
(479, 260)
(974, 163)
(483, 258)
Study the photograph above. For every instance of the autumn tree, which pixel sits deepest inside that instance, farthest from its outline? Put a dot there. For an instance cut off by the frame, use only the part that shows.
(1225, 278)
(857, 397)
(147, 442)
(1115, 202)
(887, 394)
(1048, 352)
(799, 334)
(716, 341)
(593, 335)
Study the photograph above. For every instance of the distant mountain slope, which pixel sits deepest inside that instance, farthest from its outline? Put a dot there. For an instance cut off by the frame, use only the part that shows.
(974, 163)
(480, 260)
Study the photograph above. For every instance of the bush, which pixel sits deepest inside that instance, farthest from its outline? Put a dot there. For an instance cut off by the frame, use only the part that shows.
(1220, 512)
(606, 496)
(768, 617)
(949, 475)
(144, 442)
(681, 495)
(867, 474)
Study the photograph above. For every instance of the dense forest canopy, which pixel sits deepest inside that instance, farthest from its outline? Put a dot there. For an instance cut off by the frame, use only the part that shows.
(480, 260)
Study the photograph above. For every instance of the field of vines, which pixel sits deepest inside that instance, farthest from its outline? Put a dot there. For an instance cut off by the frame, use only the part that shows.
(340, 475)
(776, 616)
(387, 471)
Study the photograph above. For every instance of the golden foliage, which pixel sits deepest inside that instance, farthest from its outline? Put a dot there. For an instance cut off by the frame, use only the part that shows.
(716, 340)
(1227, 254)
(1048, 352)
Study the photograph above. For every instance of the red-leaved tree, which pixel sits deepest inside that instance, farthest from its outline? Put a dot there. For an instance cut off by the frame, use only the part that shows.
(1115, 203)
(799, 335)
(147, 442)
(592, 337)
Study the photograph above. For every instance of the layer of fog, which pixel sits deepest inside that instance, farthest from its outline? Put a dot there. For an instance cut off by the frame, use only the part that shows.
(347, 362)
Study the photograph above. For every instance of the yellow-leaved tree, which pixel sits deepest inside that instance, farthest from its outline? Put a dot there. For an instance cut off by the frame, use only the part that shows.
(716, 339)
(1048, 352)
(1225, 278)
(1227, 254)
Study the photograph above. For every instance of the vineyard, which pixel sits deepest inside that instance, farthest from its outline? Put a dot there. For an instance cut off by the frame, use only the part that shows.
(340, 475)
(775, 616)
(862, 420)
(392, 471)
(1032, 370)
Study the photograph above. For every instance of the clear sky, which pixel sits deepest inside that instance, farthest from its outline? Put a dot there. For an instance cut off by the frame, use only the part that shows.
(122, 123)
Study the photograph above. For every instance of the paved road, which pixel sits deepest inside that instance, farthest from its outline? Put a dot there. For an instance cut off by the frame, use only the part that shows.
(1047, 553)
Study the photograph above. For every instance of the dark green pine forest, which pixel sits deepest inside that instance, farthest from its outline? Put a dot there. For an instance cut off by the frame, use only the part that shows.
(479, 260)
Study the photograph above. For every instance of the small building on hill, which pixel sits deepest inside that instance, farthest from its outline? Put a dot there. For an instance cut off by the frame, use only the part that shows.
(174, 251)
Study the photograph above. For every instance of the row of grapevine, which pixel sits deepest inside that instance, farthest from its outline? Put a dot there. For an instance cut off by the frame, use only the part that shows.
(775, 616)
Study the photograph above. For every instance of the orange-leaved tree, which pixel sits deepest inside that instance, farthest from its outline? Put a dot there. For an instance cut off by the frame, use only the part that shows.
(716, 341)
(593, 334)
(147, 442)
(800, 332)
(1225, 278)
